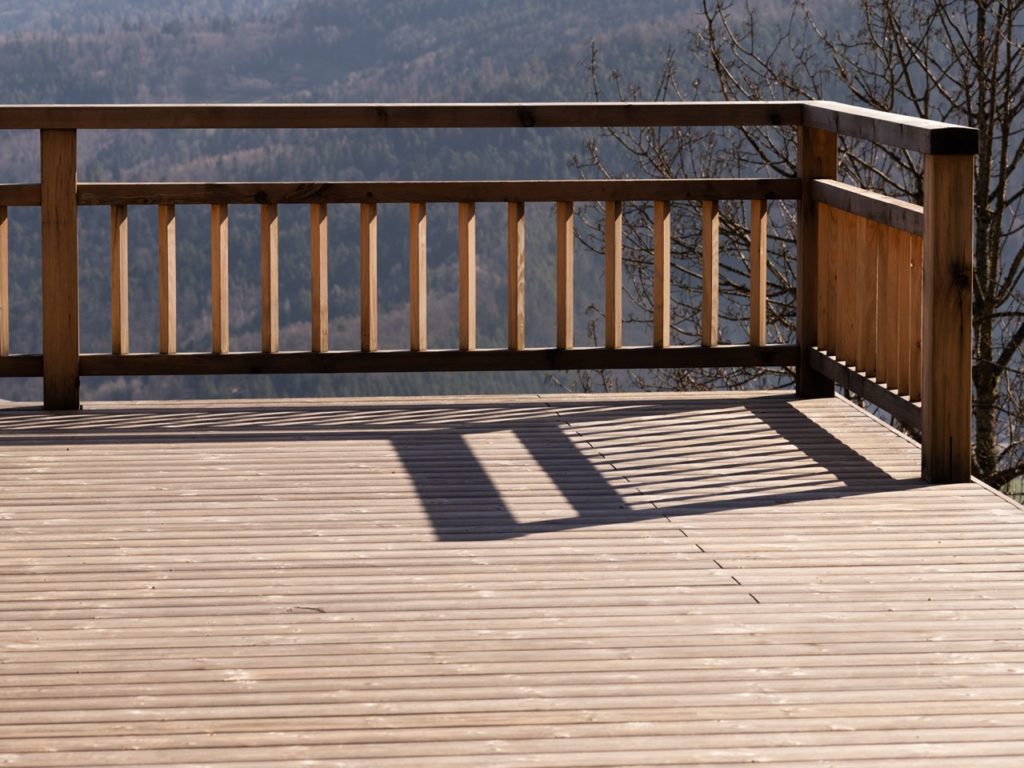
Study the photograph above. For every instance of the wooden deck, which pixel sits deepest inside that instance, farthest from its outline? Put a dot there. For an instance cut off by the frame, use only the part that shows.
(713, 580)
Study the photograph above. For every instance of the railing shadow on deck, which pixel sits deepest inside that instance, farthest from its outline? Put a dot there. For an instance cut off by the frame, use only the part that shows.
(456, 489)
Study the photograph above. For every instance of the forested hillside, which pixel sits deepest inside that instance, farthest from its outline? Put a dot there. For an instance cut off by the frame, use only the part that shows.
(64, 51)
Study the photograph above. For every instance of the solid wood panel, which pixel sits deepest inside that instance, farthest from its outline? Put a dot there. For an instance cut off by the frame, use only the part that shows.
(167, 257)
(613, 274)
(269, 279)
(5, 289)
(119, 326)
(516, 275)
(916, 298)
(758, 272)
(564, 236)
(318, 292)
(710, 275)
(417, 276)
(869, 234)
(584, 190)
(467, 276)
(862, 202)
(946, 318)
(219, 278)
(903, 315)
(662, 224)
(59, 243)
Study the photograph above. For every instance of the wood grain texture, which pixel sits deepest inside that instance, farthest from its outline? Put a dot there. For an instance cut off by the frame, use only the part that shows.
(319, 324)
(168, 278)
(467, 276)
(5, 286)
(758, 273)
(946, 317)
(914, 133)
(20, 194)
(368, 276)
(269, 280)
(564, 237)
(706, 579)
(869, 234)
(613, 274)
(709, 313)
(59, 244)
(870, 205)
(516, 275)
(417, 276)
(219, 292)
(662, 243)
(902, 328)
(916, 246)
(119, 324)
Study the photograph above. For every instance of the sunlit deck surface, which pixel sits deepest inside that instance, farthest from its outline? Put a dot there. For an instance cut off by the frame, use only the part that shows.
(686, 580)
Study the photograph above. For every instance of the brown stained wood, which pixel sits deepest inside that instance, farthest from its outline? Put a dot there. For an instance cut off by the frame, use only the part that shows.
(19, 194)
(21, 365)
(516, 275)
(319, 321)
(914, 310)
(119, 326)
(5, 290)
(846, 277)
(167, 256)
(417, 276)
(824, 299)
(219, 278)
(467, 276)
(59, 243)
(946, 318)
(564, 236)
(662, 224)
(902, 328)
(914, 133)
(881, 209)
(613, 274)
(368, 276)
(527, 191)
(869, 234)
(892, 309)
(758, 273)
(710, 274)
(269, 278)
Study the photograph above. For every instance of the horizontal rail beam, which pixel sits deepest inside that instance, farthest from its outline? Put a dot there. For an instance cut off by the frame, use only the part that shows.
(903, 409)
(251, 193)
(20, 194)
(437, 360)
(586, 114)
(870, 205)
(926, 136)
(21, 365)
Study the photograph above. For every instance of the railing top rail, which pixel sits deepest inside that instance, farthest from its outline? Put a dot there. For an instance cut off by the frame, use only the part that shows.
(926, 136)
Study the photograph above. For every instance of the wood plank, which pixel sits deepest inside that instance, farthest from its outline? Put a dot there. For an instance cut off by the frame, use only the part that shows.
(613, 274)
(758, 273)
(318, 291)
(880, 209)
(709, 260)
(946, 318)
(119, 325)
(564, 237)
(198, 363)
(219, 299)
(20, 194)
(467, 276)
(902, 327)
(481, 191)
(368, 276)
(662, 224)
(516, 275)
(826, 269)
(869, 234)
(914, 308)
(868, 388)
(893, 308)
(59, 238)
(846, 276)
(417, 276)
(269, 279)
(167, 256)
(5, 289)
(914, 133)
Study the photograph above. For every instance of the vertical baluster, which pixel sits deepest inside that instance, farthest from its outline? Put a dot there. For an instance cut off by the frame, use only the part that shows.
(417, 276)
(868, 233)
(5, 289)
(758, 272)
(318, 277)
(916, 296)
(846, 276)
(467, 276)
(269, 271)
(119, 279)
(826, 226)
(516, 275)
(219, 276)
(613, 274)
(883, 336)
(168, 279)
(662, 274)
(709, 306)
(563, 277)
(368, 276)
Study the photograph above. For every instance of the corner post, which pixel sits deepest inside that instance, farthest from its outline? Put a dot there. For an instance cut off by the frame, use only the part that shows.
(58, 188)
(946, 318)
(817, 158)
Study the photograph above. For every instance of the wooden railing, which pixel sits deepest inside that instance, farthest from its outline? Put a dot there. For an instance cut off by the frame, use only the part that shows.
(883, 287)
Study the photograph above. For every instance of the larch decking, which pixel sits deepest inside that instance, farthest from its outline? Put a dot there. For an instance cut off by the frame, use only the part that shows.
(689, 580)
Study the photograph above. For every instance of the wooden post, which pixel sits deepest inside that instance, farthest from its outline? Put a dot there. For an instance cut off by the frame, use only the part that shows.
(946, 332)
(516, 275)
(563, 277)
(709, 307)
(269, 270)
(168, 280)
(219, 277)
(119, 279)
(758, 273)
(319, 329)
(367, 277)
(662, 274)
(417, 276)
(5, 292)
(613, 274)
(816, 159)
(58, 190)
(467, 276)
